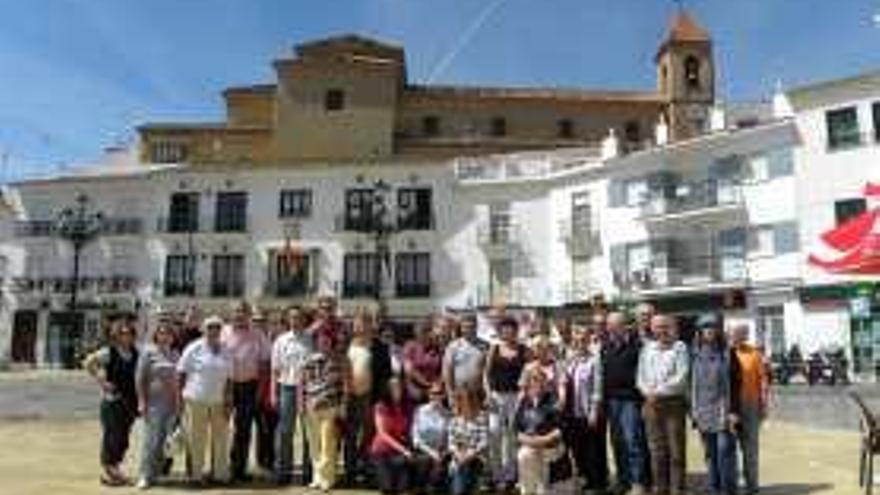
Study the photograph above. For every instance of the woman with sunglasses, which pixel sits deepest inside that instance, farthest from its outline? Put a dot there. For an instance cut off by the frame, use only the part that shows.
(156, 383)
(113, 367)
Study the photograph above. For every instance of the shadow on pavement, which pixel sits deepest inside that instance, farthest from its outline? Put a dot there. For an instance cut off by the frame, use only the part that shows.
(795, 488)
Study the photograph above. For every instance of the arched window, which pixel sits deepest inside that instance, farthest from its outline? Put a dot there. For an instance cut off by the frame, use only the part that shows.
(692, 72)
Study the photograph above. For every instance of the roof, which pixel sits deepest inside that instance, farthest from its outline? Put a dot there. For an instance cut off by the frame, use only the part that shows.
(571, 94)
(198, 126)
(268, 89)
(99, 171)
(352, 43)
(867, 81)
(684, 29)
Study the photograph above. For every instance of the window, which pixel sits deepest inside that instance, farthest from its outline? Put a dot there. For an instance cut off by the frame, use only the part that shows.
(780, 163)
(499, 127)
(413, 275)
(627, 192)
(565, 129)
(334, 100)
(847, 209)
(843, 128)
(227, 275)
(359, 204)
(414, 210)
(875, 111)
(771, 327)
(289, 274)
(295, 203)
(231, 212)
(430, 125)
(632, 131)
(360, 277)
(163, 151)
(692, 72)
(183, 212)
(180, 280)
(785, 238)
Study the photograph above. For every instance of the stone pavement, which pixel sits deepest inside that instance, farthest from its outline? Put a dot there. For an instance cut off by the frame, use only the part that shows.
(60, 457)
(49, 433)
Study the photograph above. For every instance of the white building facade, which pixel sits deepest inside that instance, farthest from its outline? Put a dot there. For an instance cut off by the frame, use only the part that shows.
(722, 222)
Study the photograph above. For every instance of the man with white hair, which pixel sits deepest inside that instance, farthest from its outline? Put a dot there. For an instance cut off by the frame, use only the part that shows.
(753, 389)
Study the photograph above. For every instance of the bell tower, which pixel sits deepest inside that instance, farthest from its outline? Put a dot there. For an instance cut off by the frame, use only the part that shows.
(686, 76)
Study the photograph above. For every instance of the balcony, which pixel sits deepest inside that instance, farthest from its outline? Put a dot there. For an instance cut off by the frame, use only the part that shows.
(288, 288)
(202, 225)
(580, 241)
(498, 239)
(114, 284)
(110, 226)
(522, 166)
(714, 198)
(369, 225)
(698, 273)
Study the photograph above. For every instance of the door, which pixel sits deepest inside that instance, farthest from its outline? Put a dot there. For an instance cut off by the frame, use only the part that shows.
(24, 337)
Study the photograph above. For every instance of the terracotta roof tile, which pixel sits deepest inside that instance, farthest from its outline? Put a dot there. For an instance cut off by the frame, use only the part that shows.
(684, 28)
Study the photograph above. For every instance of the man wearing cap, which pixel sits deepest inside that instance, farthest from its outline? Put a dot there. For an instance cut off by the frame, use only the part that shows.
(250, 352)
(204, 370)
(663, 381)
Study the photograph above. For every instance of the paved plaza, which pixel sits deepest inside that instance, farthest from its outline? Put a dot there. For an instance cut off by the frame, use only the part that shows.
(49, 432)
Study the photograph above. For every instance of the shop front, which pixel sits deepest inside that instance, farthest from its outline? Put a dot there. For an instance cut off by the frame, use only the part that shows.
(857, 310)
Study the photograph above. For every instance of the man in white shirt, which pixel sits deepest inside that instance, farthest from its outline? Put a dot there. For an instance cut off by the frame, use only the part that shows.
(205, 370)
(289, 352)
(663, 380)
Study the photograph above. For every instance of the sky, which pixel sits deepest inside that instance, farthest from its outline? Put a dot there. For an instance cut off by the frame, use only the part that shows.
(77, 76)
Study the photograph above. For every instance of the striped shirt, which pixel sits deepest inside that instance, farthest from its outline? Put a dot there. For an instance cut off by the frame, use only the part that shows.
(469, 434)
(324, 377)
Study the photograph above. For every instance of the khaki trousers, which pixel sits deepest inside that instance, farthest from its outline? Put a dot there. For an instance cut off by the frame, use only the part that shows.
(200, 420)
(322, 431)
(534, 469)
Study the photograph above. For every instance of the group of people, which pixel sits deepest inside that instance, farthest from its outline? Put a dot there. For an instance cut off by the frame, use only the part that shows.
(460, 405)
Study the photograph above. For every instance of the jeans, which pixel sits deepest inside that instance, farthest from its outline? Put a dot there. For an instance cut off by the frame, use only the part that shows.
(117, 417)
(159, 421)
(392, 474)
(464, 479)
(244, 403)
(503, 438)
(358, 431)
(284, 431)
(628, 441)
(665, 423)
(721, 461)
(588, 449)
(430, 475)
(750, 422)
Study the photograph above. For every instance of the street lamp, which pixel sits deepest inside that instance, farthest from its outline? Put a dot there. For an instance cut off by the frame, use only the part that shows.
(78, 226)
(382, 225)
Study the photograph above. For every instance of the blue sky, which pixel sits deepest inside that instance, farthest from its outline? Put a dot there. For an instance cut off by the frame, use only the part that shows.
(78, 75)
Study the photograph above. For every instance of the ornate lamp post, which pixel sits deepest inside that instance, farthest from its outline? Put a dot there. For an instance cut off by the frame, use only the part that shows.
(78, 226)
(382, 226)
